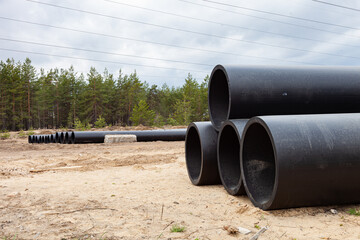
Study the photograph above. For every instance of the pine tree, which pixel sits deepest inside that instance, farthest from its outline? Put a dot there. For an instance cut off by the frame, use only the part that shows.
(142, 114)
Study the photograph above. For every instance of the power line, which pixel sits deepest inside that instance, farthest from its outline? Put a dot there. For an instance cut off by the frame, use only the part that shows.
(148, 42)
(97, 60)
(271, 20)
(226, 24)
(193, 32)
(336, 5)
(281, 15)
(103, 52)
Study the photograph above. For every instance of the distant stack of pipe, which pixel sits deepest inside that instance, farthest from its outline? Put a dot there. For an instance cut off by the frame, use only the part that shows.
(75, 137)
(285, 136)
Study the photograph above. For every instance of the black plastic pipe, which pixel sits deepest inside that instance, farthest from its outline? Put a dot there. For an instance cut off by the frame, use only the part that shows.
(47, 139)
(57, 137)
(62, 138)
(301, 160)
(228, 150)
(30, 139)
(200, 154)
(52, 138)
(241, 92)
(141, 136)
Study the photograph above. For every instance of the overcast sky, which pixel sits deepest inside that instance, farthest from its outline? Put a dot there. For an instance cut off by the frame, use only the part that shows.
(164, 40)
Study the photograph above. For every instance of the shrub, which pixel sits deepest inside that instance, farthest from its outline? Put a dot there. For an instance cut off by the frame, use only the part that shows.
(100, 122)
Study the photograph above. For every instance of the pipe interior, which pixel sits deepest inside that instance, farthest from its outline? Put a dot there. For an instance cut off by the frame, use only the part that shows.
(62, 137)
(193, 153)
(218, 98)
(66, 138)
(258, 163)
(229, 157)
(72, 137)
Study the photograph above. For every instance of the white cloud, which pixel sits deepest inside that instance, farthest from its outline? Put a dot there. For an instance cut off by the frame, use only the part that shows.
(29, 11)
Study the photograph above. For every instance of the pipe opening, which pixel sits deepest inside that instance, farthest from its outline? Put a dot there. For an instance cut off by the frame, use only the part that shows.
(30, 140)
(193, 154)
(219, 99)
(62, 138)
(258, 163)
(57, 137)
(71, 138)
(66, 140)
(229, 158)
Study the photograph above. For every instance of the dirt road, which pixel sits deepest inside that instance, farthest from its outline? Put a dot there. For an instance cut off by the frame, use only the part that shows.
(136, 191)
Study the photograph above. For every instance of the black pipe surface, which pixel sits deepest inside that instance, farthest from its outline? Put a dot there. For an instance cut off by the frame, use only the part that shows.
(62, 137)
(52, 138)
(57, 137)
(30, 139)
(240, 92)
(46, 139)
(200, 154)
(141, 136)
(228, 150)
(301, 160)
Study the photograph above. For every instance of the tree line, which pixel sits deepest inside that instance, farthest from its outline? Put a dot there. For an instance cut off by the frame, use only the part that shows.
(63, 98)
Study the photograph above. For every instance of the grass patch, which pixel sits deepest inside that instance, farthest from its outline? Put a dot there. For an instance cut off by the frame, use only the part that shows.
(9, 238)
(22, 134)
(176, 228)
(4, 136)
(355, 212)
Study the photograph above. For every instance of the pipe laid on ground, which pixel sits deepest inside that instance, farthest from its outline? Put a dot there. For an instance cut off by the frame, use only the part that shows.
(62, 138)
(200, 154)
(52, 138)
(301, 160)
(228, 150)
(46, 139)
(240, 92)
(71, 138)
(30, 139)
(57, 137)
(141, 136)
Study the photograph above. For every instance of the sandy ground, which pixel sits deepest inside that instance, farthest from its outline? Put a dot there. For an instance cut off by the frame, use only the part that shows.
(136, 191)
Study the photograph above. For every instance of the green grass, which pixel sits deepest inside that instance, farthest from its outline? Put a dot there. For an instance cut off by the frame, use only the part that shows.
(5, 135)
(9, 238)
(355, 212)
(22, 134)
(30, 133)
(257, 226)
(176, 228)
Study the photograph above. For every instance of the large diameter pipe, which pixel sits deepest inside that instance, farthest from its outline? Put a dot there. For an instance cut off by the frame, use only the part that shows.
(30, 139)
(141, 136)
(240, 92)
(301, 160)
(200, 154)
(228, 150)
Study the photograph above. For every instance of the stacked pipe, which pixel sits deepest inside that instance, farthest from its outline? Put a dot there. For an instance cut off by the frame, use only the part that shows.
(285, 136)
(72, 137)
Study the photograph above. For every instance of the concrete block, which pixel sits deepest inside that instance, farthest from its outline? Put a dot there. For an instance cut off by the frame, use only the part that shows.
(119, 138)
